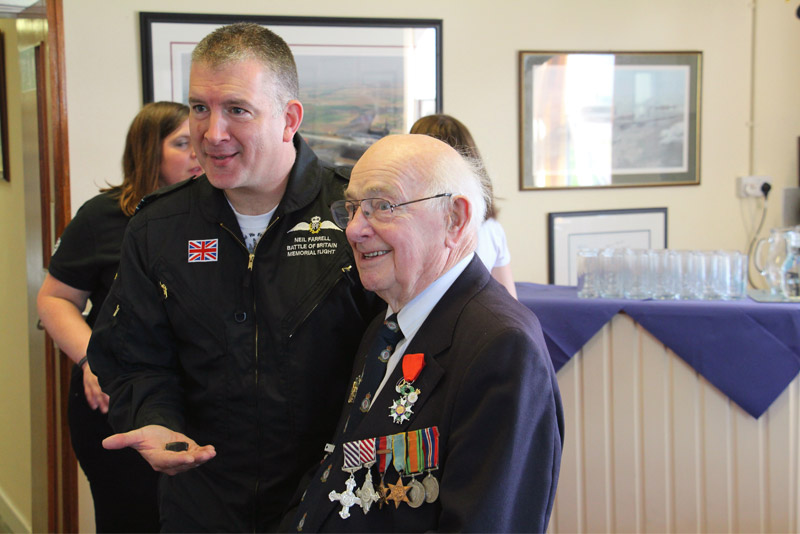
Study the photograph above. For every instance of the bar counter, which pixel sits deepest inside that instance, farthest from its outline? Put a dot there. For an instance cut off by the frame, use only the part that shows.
(681, 416)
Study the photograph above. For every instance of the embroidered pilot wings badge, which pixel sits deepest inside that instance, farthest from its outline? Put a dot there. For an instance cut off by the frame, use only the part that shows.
(314, 226)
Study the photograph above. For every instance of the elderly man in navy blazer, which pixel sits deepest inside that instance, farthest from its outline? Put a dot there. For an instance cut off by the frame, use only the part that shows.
(454, 419)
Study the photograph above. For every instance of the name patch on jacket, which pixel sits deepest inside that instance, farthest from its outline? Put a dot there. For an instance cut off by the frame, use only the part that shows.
(201, 250)
(308, 241)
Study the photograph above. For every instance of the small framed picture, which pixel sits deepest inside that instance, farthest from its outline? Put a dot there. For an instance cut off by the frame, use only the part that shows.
(569, 231)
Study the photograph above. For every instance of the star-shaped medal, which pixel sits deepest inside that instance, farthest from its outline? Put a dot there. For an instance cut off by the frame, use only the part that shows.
(398, 493)
(383, 494)
(400, 411)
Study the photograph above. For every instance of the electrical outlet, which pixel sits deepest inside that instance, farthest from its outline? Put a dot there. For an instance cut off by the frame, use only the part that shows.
(750, 186)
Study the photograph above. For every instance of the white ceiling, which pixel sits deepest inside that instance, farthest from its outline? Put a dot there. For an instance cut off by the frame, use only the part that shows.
(10, 8)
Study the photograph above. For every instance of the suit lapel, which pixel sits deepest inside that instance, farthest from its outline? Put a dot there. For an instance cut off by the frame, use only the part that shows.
(432, 339)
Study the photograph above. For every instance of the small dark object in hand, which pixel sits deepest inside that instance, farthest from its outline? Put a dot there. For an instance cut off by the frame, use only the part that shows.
(177, 446)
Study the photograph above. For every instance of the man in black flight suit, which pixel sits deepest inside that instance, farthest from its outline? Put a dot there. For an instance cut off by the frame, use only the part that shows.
(237, 309)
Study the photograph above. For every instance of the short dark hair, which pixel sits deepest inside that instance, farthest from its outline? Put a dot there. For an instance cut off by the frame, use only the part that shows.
(246, 40)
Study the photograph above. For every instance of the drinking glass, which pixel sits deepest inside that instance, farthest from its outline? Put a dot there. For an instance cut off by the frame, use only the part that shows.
(738, 280)
(637, 284)
(612, 265)
(588, 267)
(665, 270)
(689, 281)
(712, 275)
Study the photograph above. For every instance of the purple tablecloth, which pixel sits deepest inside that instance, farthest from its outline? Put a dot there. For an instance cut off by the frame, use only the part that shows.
(749, 350)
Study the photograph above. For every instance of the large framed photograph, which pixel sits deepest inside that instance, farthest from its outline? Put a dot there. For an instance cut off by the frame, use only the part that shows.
(609, 119)
(570, 231)
(360, 79)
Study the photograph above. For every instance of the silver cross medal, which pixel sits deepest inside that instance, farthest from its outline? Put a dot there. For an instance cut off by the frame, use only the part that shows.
(347, 498)
(351, 462)
(367, 493)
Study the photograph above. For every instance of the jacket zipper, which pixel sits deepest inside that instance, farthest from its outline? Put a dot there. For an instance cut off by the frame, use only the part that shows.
(345, 269)
(250, 264)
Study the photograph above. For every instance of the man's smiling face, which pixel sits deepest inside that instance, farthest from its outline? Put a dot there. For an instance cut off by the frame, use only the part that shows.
(236, 130)
(400, 258)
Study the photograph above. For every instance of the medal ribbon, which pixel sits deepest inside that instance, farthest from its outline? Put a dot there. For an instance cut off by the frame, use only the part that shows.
(399, 450)
(430, 447)
(412, 366)
(367, 452)
(384, 454)
(352, 456)
(415, 454)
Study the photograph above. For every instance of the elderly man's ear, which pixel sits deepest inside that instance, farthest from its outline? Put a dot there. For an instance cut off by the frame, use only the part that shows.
(460, 215)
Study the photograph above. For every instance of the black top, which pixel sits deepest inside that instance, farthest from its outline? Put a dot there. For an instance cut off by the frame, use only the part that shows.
(249, 352)
(86, 256)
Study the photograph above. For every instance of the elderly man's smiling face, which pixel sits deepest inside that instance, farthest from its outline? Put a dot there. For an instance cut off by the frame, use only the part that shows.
(400, 258)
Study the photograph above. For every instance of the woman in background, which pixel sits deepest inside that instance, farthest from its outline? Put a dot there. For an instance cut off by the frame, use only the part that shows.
(157, 153)
(492, 246)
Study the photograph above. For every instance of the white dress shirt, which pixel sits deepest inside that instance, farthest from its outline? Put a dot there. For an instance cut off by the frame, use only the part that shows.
(413, 314)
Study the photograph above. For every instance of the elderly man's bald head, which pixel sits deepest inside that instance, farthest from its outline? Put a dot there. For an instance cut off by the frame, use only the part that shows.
(432, 164)
(434, 206)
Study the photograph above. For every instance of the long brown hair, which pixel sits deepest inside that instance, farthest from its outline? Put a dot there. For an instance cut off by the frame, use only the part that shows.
(453, 132)
(141, 161)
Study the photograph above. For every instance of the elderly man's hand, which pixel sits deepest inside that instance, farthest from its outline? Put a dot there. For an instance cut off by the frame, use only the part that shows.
(150, 441)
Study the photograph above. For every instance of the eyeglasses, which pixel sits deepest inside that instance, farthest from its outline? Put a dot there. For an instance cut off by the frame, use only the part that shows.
(343, 211)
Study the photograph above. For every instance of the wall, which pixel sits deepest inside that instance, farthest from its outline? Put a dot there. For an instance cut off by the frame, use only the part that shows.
(480, 87)
(15, 391)
(743, 86)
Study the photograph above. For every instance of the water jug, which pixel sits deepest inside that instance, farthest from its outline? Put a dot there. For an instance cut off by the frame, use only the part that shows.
(790, 275)
(772, 268)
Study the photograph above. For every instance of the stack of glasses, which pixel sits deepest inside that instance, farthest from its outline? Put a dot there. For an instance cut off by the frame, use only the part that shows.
(624, 273)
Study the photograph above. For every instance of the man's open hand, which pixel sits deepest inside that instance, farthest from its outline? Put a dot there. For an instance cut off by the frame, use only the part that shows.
(151, 441)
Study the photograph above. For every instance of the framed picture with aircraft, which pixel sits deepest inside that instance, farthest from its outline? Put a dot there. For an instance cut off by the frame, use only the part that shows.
(360, 79)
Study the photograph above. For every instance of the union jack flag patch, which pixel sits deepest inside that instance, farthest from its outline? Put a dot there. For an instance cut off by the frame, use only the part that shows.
(202, 250)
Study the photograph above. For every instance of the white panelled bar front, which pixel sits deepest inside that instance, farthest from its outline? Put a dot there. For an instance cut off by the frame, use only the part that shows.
(652, 446)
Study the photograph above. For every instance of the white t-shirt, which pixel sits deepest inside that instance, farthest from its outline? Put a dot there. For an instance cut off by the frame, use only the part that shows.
(492, 246)
(252, 226)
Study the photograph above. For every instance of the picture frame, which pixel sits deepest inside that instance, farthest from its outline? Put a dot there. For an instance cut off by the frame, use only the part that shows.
(569, 231)
(609, 119)
(5, 169)
(360, 78)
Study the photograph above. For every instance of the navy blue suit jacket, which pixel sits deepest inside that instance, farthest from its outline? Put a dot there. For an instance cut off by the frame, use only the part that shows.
(490, 388)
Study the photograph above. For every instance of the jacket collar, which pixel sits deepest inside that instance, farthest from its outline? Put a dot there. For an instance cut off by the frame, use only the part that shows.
(303, 187)
(436, 333)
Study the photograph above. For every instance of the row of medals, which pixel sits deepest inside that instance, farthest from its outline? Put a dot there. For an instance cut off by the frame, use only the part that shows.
(414, 494)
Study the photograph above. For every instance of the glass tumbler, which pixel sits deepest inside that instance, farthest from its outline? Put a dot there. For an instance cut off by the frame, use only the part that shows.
(689, 281)
(588, 267)
(665, 270)
(712, 275)
(612, 265)
(637, 283)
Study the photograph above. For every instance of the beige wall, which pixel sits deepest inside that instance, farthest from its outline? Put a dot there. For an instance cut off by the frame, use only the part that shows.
(15, 390)
(480, 87)
(481, 41)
